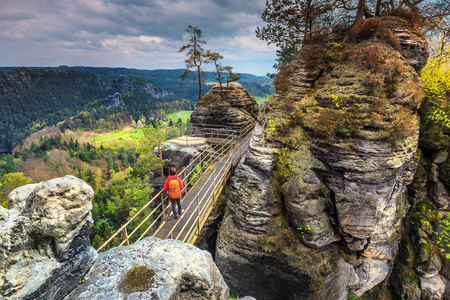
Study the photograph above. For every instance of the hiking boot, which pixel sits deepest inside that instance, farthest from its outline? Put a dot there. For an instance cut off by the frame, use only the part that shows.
(181, 212)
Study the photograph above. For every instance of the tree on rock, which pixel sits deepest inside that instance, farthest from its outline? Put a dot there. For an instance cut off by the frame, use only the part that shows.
(292, 23)
(194, 55)
(213, 58)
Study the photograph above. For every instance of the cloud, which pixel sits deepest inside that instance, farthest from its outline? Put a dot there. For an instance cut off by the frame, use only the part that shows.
(128, 33)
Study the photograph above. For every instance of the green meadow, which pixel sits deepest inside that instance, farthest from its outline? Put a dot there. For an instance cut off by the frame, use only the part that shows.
(184, 115)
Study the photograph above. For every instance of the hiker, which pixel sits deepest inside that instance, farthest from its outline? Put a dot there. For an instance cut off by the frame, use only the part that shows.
(173, 186)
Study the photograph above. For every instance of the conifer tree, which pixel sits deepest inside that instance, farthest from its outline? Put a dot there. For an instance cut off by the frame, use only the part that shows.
(194, 55)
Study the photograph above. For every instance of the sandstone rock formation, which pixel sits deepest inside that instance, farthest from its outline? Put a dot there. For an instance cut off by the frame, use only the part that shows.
(44, 239)
(114, 101)
(177, 271)
(347, 132)
(235, 107)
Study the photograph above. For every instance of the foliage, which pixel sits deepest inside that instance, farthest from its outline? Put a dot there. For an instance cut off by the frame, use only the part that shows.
(154, 137)
(11, 181)
(283, 168)
(197, 172)
(194, 55)
(435, 77)
(290, 23)
(352, 296)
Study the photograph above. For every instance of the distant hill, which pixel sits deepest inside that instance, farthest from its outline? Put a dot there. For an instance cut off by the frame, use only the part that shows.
(32, 98)
(168, 79)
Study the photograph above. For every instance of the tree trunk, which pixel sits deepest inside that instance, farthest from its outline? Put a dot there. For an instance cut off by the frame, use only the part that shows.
(360, 11)
(378, 8)
(307, 20)
(199, 83)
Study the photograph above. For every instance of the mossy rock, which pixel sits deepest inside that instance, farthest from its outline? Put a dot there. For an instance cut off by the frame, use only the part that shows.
(138, 279)
(444, 172)
(432, 137)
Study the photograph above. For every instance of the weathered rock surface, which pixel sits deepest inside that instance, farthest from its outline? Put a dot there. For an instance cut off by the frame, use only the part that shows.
(181, 271)
(236, 108)
(347, 150)
(414, 47)
(258, 254)
(114, 101)
(44, 239)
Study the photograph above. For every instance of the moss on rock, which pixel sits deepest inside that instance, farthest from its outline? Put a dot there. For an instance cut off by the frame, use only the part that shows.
(138, 279)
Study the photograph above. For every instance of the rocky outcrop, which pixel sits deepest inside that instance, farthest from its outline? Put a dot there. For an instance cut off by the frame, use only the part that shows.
(174, 270)
(347, 133)
(114, 101)
(413, 45)
(44, 239)
(257, 252)
(157, 91)
(234, 107)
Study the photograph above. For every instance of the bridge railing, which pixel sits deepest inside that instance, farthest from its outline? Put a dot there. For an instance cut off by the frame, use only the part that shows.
(206, 197)
(157, 211)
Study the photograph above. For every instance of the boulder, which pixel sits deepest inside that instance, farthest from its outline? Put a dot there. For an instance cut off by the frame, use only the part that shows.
(171, 270)
(44, 239)
(232, 107)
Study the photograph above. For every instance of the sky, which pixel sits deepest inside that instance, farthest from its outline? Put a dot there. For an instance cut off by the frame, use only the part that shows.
(142, 34)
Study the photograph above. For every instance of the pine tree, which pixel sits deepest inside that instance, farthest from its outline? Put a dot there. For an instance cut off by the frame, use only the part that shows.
(194, 55)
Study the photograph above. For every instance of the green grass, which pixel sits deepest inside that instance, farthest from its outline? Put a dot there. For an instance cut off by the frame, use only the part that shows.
(115, 139)
(184, 115)
(260, 100)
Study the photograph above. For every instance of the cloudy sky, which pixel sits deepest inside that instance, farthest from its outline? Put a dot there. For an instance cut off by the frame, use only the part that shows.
(143, 34)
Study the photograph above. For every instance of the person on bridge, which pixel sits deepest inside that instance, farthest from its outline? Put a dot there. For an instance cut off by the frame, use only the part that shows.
(173, 186)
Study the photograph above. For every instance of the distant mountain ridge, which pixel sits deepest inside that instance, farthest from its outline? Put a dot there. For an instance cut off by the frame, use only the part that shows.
(115, 73)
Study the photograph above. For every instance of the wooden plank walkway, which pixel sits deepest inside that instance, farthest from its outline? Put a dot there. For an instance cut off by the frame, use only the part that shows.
(203, 194)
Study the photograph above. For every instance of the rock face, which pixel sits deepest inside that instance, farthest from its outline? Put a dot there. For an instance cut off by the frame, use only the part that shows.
(44, 239)
(347, 150)
(114, 101)
(180, 156)
(180, 271)
(234, 107)
(257, 252)
(157, 91)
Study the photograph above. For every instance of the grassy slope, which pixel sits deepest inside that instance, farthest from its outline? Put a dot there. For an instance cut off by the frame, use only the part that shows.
(184, 115)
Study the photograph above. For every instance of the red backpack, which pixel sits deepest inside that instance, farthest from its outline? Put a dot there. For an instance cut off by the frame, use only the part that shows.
(174, 189)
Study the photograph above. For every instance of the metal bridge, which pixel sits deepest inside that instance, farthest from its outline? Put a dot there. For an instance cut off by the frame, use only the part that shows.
(203, 180)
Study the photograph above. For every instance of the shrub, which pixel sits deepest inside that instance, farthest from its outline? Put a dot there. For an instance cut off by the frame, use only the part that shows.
(385, 34)
(402, 125)
(371, 57)
(282, 81)
(410, 14)
(374, 82)
(364, 29)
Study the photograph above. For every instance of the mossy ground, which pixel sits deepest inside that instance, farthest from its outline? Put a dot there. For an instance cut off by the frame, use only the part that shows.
(138, 279)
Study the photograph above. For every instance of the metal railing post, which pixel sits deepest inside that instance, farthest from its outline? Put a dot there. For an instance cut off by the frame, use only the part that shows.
(198, 216)
(162, 206)
(126, 236)
(214, 185)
